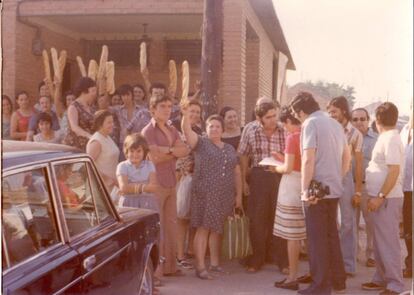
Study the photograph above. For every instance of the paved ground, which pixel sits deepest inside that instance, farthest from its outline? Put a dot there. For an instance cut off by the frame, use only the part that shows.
(238, 282)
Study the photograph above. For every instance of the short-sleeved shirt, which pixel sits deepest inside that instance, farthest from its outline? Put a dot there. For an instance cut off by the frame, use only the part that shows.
(155, 136)
(33, 122)
(388, 150)
(327, 136)
(354, 138)
(255, 143)
(135, 174)
(140, 118)
(293, 148)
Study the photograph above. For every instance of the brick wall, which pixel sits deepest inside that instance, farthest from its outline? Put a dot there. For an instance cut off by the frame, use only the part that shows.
(266, 52)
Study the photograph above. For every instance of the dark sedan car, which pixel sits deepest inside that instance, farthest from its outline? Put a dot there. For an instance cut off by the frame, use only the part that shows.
(61, 233)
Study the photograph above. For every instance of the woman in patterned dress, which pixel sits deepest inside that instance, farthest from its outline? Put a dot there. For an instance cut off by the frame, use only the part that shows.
(81, 114)
(213, 197)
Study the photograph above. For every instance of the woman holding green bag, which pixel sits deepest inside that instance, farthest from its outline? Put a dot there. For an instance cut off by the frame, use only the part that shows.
(213, 199)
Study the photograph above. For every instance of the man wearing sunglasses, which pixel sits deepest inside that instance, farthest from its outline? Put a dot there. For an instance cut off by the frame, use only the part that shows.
(360, 120)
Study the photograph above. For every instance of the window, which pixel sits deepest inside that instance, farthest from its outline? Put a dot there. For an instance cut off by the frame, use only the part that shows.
(81, 197)
(29, 225)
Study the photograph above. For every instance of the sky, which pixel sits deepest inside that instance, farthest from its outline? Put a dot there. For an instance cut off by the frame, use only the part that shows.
(367, 44)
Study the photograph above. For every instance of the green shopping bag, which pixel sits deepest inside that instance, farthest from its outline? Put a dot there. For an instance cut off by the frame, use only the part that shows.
(236, 238)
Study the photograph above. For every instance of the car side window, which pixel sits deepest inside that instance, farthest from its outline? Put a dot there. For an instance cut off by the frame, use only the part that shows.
(29, 224)
(78, 194)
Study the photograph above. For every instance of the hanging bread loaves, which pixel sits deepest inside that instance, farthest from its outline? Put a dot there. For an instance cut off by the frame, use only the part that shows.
(143, 57)
(110, 77)
(186, 80)
(172, 88)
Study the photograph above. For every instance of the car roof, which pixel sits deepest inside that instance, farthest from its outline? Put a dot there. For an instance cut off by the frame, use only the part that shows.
(16, 153)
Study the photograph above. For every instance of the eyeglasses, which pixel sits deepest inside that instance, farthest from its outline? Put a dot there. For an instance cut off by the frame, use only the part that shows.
(362, 119)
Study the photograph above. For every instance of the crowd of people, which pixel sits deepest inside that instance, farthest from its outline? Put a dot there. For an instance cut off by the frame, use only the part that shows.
(331, 168)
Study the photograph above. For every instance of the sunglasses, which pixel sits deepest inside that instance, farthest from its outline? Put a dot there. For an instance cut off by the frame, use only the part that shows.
(362, 119)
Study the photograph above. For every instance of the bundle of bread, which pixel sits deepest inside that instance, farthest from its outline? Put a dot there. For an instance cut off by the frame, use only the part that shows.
(93, 69)
(185, 85)
(172, 88)
(48, 75)
(58, 63)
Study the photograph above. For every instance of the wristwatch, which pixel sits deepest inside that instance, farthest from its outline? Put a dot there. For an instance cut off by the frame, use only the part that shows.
(381, 195)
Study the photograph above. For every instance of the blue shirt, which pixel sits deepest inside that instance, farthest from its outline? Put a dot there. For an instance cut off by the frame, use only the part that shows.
(327, 136)
(135, 174)
(33, 122)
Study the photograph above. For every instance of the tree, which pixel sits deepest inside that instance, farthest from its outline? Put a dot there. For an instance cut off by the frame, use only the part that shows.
(332, 89)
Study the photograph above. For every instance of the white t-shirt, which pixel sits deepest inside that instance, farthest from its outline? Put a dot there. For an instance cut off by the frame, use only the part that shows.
(388, 150)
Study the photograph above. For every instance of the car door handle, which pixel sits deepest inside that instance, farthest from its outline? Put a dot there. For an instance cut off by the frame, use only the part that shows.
(89, 262)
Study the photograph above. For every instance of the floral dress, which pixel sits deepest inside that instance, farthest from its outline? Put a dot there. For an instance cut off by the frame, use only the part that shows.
(85, 121)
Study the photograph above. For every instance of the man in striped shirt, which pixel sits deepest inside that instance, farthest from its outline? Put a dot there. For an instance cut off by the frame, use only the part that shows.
(257, 143)
(338, 109)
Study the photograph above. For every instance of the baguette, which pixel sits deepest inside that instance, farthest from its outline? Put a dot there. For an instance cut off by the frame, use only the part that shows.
(93, 69)
(62, 63)
(102, 63)
(143, 56)
(55, 62)
(81, 66)
(186, 80)
(110, 77)
(172, 88)
(48, 76)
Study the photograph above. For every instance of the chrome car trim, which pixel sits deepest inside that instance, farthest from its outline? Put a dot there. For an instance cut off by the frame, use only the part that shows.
(106, 260)
(26, 167)
(68, 286)
(5, 251)
(5, 171)
(52, 179)
(103, 188)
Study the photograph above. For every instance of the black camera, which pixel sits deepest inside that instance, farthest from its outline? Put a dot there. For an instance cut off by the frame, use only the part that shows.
(318, 190)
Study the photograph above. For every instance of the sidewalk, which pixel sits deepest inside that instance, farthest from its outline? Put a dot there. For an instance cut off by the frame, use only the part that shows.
(238, 282)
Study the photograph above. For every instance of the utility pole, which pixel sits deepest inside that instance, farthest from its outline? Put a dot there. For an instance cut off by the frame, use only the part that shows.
(211, 54)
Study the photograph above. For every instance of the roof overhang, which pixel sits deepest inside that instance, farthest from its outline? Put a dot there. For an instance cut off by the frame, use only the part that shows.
(266, 13)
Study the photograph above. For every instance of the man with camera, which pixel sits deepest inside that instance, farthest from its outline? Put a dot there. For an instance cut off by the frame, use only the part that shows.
(325, 160)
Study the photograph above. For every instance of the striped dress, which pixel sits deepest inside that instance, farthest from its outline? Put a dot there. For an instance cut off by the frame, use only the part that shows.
(289, 217)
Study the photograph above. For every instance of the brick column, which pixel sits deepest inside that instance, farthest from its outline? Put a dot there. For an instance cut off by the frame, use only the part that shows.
(233, 91)
(8, 24)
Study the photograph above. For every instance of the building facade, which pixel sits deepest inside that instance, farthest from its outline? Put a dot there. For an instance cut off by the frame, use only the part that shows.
(255, 54)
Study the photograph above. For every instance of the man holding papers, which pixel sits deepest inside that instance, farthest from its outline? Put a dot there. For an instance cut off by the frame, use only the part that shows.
(259, 143)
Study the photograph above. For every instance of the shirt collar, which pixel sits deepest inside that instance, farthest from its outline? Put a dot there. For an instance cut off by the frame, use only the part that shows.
(348, 127)
(371, 133)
